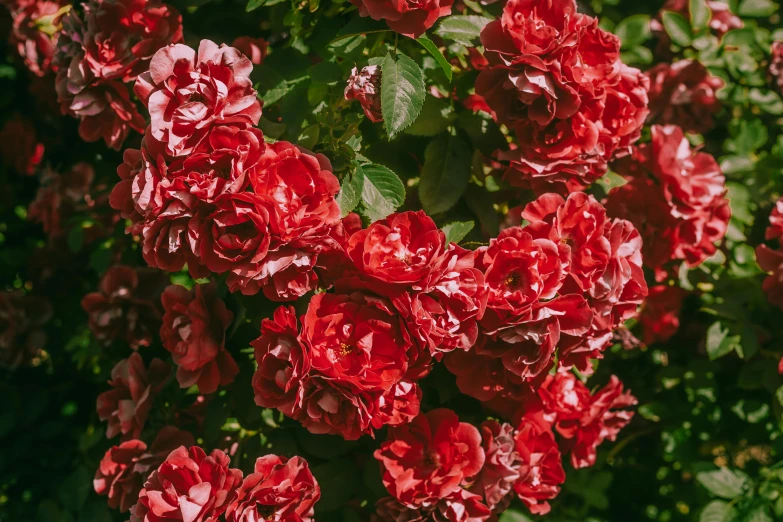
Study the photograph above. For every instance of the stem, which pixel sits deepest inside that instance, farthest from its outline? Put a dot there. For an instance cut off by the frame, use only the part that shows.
(396, 37)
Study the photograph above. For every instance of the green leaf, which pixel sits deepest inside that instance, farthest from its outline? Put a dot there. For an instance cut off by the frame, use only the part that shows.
(634, 30)
(382, 191)
(678, 28)
(338, 480)
(350, 192)
(512, 515)
(718, 342)
(430, 46)
(402, 92)
(723, 482)
(270, 84)
(445, 174)
(700, 14)
(759, 513)
(325, 72)
(359, 26)
(717, 511)
(456, 231)
(757, 8)
(435, 117)
(271, 129)
(462, 29)
(76, 238)
(309, 136)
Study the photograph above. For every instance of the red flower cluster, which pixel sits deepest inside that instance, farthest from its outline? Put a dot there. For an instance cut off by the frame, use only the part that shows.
(128, 403)
(684, 94)
(556, 79)
(22, 337)
(207, 191)
(192, 486)
(771, 259)
(351, 367)
(566, 280)
(407, 17)
(676, 198)
(660, 315)
(254, 48)
(61, 194)
(126, 306)
(101, 50)
(365, 86)
(194, 331)
(123, 469)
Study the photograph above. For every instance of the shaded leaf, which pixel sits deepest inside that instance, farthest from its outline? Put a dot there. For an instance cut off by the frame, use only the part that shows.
(402, 92)
(382, 191)
(678, 28)
(445, 173)
(430, 46)
(462, 29)
(723, 482)
(456, 231)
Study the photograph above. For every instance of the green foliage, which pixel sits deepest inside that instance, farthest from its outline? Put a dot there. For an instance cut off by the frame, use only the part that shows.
(402, 92)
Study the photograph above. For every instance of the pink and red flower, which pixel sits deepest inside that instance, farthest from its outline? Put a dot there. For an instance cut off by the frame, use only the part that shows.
(365, 86)
(407, 17)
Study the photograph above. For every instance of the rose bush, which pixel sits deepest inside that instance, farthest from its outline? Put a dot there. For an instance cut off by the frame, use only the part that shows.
(415, 261)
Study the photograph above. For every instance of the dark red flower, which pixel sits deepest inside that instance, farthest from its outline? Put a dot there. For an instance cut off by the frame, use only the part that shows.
(126, 306)
(428, 459)
(127, 405)
(190, 486)
(123, 469)
(776, 64)
(660, 315)
(501, 464)
(585, 420)
(60, 195)
(365, 86)
(541, 470)
(460, 506)
(407, 17)
(254, 48)
(35, 33)
(775, 228)
(22, 337)
(20, 148)
(188, 93)
(771, 261)
(194, 331)
(684, 94)
(279, 489)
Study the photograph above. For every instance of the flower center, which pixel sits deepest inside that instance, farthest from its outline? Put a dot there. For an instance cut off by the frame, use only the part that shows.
(265, 512)
(345, 349)
(514, 280)
(196, 97)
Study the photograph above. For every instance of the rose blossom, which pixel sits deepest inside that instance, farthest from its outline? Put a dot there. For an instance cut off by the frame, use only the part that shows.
(22, 337)
(776, 64)
(35, 33)
(684, 94)
(501, 464)
(408, 18)
(190, 486)
(127, 405)
(188, 93)
(771, 259)
(194, 331)
(461, 506)
(541, 470)
(20, 148)
(279, 489)
(365, 86)
(124, 468)
(428, 459)
(125, 307)
(254, 48)
(60, 195)
(585, 420)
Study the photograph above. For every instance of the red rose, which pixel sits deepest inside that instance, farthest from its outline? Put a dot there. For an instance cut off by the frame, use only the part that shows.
(122, 36)
(282, 361)
(428, 459)
(190, 486)
(187, 94)
(279, 489)
(254, 48)
(127, 405)
(194, 331)
(501, 464)
(541, 470)
(22, 337)
(126, 305)
(331, 409)
(35, 33)
(585, 421)
(124, 468)
(684, 94)
(556, 79)
(356, 340)
(365, 86)
(660, 315)
(407, 18)
(676, 199)
(445, 317)
(771, 261)
(776, 64)
(775, 228)
(20, 149)
(483, 375)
